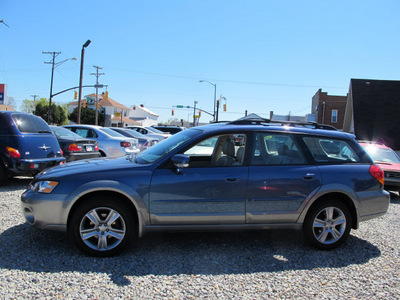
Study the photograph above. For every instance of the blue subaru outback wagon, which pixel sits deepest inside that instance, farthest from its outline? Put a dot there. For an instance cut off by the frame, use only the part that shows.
(27, 145)
(245, 174)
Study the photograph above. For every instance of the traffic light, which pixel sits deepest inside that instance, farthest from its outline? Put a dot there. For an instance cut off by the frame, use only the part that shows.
(98, 105)
(172, 112)
(199, 113)
(224, 107)
(76, 95)
(106, 96)
(84, 104)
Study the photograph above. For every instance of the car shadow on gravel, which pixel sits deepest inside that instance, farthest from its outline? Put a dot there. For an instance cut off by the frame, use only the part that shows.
(15, 183)
(217, 253)
(394, 197)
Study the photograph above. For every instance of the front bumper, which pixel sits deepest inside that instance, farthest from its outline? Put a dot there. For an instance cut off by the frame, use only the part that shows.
(392, 180)
(45, 211)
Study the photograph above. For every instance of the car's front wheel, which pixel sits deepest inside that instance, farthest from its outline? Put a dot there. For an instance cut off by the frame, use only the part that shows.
(327, 224)
(102, 227)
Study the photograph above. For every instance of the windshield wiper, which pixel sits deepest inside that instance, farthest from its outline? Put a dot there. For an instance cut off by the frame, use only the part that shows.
(44, 131)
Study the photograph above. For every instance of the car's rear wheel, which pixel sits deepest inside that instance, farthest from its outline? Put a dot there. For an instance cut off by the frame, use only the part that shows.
(102, 227)
(327, 224)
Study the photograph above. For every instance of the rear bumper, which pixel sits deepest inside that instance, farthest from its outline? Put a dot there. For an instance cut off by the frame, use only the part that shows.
(80, 156)
(32, 166)
(374, 205)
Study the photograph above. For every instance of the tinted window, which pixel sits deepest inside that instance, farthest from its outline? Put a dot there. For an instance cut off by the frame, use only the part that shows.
(276, 149)
(30, 124)
(327, 150)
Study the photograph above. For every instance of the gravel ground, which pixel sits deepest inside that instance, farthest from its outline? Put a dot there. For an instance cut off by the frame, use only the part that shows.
(247, 265)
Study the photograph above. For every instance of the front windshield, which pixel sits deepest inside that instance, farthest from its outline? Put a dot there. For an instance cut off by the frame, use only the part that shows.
(382, 154)
(154, 130)
(166, 146)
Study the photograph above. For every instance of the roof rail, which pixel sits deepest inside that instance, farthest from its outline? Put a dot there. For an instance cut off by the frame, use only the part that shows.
(259, 121)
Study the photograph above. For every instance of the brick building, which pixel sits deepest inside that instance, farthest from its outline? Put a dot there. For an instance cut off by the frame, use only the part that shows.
(329, 109)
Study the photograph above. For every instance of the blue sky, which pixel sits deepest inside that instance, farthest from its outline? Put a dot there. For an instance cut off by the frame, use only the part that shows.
(262, 55)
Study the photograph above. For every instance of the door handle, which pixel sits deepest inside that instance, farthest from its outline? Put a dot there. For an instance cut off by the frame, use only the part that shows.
(232, 179)
(309, 176)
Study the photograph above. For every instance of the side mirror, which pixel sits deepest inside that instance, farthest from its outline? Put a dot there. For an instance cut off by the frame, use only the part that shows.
(180, 161)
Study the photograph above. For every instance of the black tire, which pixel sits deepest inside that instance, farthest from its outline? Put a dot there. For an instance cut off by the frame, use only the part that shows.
(102, 239)
(328, 224)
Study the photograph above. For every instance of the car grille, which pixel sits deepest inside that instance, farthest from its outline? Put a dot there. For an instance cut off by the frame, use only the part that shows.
(394, 175)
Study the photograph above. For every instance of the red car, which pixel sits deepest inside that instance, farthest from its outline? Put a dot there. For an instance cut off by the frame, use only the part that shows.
(389, 162)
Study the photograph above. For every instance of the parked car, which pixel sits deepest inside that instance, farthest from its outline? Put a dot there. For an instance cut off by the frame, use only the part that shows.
(144, 141)
(168, 128)
(110, 143)
(388, 160)
(150, 132)
(27, 145)
(278, 177)
(75, 147)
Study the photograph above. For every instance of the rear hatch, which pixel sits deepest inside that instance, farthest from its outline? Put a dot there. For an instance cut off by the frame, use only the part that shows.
(35, 139)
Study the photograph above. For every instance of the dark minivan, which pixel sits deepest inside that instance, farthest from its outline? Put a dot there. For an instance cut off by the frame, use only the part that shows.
(27, 145)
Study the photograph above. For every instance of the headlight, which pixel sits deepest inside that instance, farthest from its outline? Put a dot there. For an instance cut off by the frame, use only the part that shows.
(44, 186)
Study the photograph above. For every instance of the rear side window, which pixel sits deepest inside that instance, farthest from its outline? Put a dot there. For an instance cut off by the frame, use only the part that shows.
(30, 124)
(327, 150)
(276, 149)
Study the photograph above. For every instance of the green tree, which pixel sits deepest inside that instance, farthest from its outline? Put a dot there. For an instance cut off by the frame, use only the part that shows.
(58, 112)
(88, 116)
(10, 101)
(27, 106)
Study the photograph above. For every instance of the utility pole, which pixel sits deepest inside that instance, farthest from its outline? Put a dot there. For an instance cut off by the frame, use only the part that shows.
(34, 102)
(52, 62)
(97, 74)
(53, 65)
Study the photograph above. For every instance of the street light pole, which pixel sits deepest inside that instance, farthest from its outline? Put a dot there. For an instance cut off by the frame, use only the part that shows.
(80, 80)
(215, 95)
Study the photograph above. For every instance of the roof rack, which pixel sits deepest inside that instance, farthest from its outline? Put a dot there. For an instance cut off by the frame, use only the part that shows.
(256, 120)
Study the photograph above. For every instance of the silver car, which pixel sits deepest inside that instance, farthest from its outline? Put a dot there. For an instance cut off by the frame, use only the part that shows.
(111, 143)
(145, 142)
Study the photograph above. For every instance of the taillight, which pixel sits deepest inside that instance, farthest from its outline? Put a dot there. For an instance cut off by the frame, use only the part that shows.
(125, 144)
(74, 148)
(96, 147)
(13, 152)
(377, 173)
(146, 144)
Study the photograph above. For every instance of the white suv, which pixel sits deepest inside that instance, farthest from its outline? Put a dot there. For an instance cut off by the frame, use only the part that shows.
(150, 132)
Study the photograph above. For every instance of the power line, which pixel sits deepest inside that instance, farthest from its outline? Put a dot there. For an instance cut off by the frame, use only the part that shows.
(230, 81)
